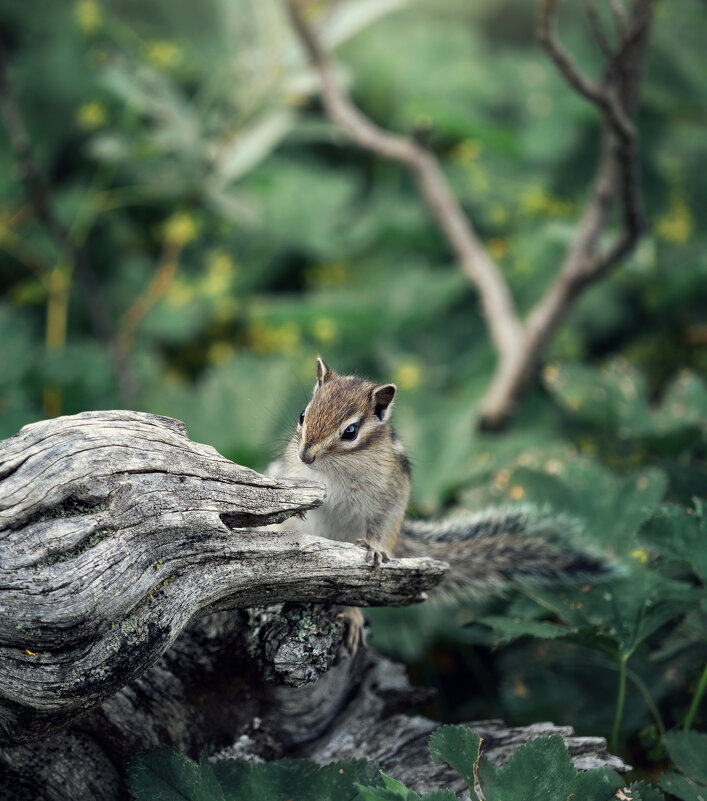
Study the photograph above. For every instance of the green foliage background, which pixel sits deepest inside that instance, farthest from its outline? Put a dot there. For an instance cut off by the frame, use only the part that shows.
(235, 234)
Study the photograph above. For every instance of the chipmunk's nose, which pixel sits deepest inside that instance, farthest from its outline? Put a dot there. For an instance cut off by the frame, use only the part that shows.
(306, 456)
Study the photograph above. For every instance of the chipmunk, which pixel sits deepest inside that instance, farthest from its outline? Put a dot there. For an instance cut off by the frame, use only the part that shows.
(345, 438)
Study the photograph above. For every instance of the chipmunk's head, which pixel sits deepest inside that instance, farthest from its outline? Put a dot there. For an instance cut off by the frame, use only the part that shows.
(346, 415)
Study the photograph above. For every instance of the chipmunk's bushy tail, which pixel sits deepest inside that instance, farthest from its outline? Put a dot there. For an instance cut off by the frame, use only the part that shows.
(492, 550)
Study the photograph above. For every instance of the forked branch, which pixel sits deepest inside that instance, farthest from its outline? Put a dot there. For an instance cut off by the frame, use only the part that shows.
(499, 309)
(520, 344)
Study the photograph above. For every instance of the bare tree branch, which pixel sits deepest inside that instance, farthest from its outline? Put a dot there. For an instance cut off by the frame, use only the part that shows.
(601, 96)
(498, 305)
(616, 177)
(520, 344)
(38, 195)
(597, 27)
(619, 13)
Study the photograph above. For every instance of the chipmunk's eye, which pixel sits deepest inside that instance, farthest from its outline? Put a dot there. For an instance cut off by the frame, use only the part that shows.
(351, 432)
(301, 417)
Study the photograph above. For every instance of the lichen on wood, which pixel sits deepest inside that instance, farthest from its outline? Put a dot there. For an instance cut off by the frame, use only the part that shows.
(116, 530)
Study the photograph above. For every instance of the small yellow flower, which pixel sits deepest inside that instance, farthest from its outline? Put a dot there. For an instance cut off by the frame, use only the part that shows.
(324, 330)
(551, 373)
(220, 352)
(92, 115)
(677, 224)
(179, 293)
(173, 377)
(498, 247)
(221, 263)
(333, 274)
(274, 339)
(517, 492)
(164, 54)
(88, 16)
(180, 229)
(640, 555)
(467, 151)
(536, 201)
(296, 99)
(219, 274)
(498, 215)
(408, 375)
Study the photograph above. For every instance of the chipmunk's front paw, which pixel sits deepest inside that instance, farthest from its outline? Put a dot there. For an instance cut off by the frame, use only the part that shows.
(373, 554)
(355, 627)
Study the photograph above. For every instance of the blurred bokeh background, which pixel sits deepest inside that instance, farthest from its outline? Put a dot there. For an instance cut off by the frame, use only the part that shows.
(223, 232)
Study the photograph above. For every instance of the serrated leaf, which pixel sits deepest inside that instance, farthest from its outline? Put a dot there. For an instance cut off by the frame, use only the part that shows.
(682, 787)
(513, 629)
(367, 793)
(541, 768)
(168, 775)
(645, 792)
(394, 785)
(688, 750)
(295, 778)
(679, 534)
(597, 785)
(393, 790)
(627, 611)
(459, 748)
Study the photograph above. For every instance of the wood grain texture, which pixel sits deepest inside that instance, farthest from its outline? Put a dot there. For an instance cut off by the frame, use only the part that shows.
(214, 689)
(116, 531)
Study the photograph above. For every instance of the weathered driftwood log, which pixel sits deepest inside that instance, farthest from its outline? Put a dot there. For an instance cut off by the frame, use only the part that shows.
(208, 691)
(116, 530)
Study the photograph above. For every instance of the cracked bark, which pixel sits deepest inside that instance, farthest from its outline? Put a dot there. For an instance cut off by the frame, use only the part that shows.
(136, 610)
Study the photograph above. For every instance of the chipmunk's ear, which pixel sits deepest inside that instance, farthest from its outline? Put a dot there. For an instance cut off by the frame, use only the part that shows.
(324, 372)
(382, 401)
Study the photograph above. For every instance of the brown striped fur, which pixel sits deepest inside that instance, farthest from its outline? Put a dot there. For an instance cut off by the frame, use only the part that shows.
(367, 479)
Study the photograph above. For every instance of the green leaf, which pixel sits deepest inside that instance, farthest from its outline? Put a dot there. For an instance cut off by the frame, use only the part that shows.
(393, 790)
(459, 748)
(295, 779)
(597, 785)
(688, 750)
(541, 768)
(394, 785)
(682, 787)
(513, 629)
(168, 775)
(645, 792)
(627, 611)
(679, 534)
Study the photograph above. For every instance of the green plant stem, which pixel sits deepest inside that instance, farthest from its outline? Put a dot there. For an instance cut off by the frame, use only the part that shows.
(650, 703)
(696, 698)
(620, 701)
